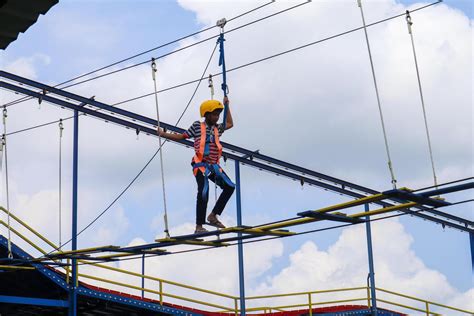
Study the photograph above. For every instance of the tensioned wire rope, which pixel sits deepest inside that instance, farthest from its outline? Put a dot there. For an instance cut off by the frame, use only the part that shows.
(143, 53)
(387, 149)
(61, 128)
(248, 64)
(250, 23)
(410, 31)
(7, 193)
(263, 59)
(180, 49)
(308, 231)
(242, 66)
(411, 213)
(149, 161)
(153, 73)
(277, 237)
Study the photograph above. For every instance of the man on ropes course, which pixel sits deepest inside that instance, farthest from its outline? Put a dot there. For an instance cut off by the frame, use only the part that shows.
(206, 160)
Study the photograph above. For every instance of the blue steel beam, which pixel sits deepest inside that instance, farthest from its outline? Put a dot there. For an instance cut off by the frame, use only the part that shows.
(152, 131)
(75, 158)
(247, 153)
(471, 239)
(285, 172)
(233, 148)
(239, 242)
(59, 279)
(344, 184)
(147, 120)
(449, 189)
(370, 253)
(32, 301)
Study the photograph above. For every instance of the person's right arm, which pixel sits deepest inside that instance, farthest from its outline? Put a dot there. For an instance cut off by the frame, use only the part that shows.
(171, 136)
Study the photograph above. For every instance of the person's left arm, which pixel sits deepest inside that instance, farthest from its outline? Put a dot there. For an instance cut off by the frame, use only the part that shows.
(229, 123)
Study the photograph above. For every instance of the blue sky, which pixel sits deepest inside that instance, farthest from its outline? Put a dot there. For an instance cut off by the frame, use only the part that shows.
(76, 37)
(465, 6)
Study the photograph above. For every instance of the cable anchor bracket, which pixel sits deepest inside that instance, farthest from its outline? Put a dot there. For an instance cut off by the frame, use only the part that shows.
(153, 68)
(409, 22)
(221, 23)
(211, 86)
(61, 127)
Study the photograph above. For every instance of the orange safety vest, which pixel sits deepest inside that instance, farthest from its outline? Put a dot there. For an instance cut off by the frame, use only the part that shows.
(198, 157)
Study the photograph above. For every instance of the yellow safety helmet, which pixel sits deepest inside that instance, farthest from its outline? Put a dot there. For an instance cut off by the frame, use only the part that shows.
(210, 106)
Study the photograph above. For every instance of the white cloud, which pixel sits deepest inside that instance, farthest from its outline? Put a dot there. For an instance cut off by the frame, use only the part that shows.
(314, 107)
(344, 265)
(214, 269)
(109, 232)
(25, 66)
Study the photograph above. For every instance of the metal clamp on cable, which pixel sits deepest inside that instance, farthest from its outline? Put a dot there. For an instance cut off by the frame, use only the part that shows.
(409, 22)
(40, 99)
(221, 23)
(61, 127)
(5, 115)
(211, 86)
(153, 68)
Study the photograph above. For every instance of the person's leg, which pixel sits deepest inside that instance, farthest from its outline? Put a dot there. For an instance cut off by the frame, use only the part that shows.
(227, 191)
(201, 203)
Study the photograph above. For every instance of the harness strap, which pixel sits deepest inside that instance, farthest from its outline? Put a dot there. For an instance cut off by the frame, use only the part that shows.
(204, 148)
(220, 177)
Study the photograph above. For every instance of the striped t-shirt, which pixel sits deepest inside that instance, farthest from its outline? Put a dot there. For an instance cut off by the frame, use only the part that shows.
(195, 132)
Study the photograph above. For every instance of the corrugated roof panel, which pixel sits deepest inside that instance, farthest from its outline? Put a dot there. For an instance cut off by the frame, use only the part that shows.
(16, 16)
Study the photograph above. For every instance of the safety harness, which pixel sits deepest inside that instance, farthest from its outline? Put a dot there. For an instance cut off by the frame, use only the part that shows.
(209, 168)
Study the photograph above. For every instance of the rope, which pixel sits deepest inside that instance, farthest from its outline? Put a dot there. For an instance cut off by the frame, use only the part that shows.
(409, 24)
(148, 162)
(4, 145)
(60, 176)
(141, 53)
(243, 65)
(390, 167)
(153, 72)
(172, 52)
(224, 86)
(296, 234)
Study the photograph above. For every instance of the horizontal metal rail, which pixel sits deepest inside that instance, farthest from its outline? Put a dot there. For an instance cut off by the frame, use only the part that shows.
(424, 301)
(346, 187)
(235, 298)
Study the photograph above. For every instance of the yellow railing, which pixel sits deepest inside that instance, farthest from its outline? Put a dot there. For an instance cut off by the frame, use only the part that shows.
(308, 300)
(161, 282)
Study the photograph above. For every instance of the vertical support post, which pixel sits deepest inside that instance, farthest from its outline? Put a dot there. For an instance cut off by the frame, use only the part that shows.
(73, 284)
(240, 245)
(161, 293)
(471, 237)
(143, 275)
(371, 263)
(310, 305)
(236, 307)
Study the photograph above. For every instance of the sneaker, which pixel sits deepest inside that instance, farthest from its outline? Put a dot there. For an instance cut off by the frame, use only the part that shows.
(200, 230)
(212, 219)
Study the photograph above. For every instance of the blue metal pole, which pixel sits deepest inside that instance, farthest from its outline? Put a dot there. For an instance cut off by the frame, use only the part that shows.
(371, 263)
(7, 299)
(72, 292)
(240, 245)
(143, 276)
(471, 237)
